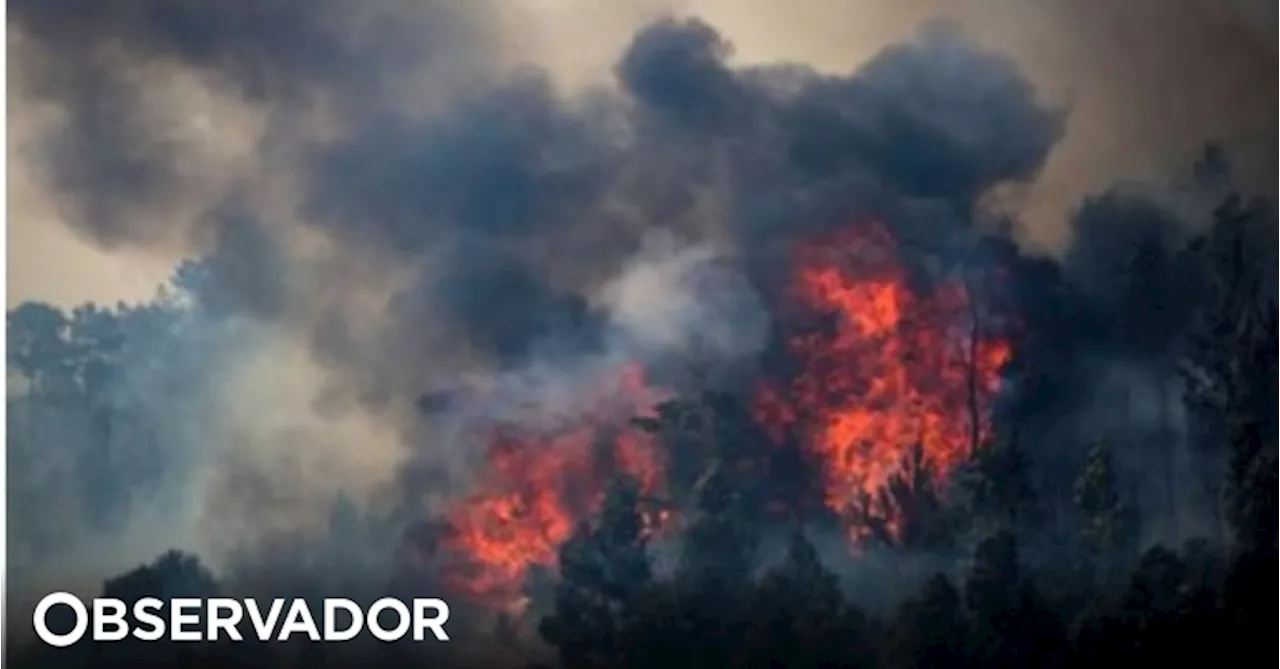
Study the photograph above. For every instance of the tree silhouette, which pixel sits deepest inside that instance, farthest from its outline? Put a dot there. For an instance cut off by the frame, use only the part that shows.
(1229, 353)
(700, 618)
(172, 575)
(1107, 532)
(603, 570)
(997, 485)
(84, 425)
(1162, 616)
(718, 548)
(801, 619)
(714, 430)
(932, 631)
(907, 513)
(1011, 625)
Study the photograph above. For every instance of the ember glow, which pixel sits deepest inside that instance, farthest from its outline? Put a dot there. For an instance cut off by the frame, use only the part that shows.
(893, 367)
(536, 488)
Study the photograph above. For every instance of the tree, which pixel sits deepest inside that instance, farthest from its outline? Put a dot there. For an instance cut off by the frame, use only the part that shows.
(1251, 486)
(997, 484)
(1156, 584)
(1011, 625)
(1229, 353)
(993, 592)
(685, 427)
(38, 346)
(1107, 531)
(1248, 490)
(907, 513)
(700, 619)
(714, 430)
(174, 574)
(1249, 605)
(84, 384)
(932, 632)
(719, 547)
(1160, 618)
(801, 618)
(603, 570)
(83, 439)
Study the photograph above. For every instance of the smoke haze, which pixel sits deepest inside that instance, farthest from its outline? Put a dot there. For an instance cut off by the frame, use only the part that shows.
(404, 217)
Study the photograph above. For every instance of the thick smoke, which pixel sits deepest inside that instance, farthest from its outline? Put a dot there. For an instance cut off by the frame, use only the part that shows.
(502, 216)
(511, 241)
(118, 150)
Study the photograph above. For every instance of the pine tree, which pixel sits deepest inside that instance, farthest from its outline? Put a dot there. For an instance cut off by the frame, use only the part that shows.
(717, 430)
(1160, 618)
(932, 632)
(174, 574)
(603, 570)
(708, 604)
(1012, 627)
(1156, 584)
(685, 427)
(997, 483)
(1107, 532)
(1096, 499)
(1249, 488)
(719, 547)
(1229, 353)
(994, 588)
(801, 618)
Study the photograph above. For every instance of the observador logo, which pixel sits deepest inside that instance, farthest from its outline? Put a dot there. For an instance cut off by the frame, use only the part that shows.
(216, 619)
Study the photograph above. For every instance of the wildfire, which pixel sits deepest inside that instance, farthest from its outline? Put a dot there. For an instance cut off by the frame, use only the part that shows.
(537, 487)
(897, 367)
(894, 366)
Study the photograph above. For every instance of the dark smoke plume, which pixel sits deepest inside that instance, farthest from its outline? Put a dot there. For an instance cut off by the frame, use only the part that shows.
(501, 246)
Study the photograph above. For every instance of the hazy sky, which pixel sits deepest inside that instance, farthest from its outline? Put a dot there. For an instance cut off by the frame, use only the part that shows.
(1147, 81)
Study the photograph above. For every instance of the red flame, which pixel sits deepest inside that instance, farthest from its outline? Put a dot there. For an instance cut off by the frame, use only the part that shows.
(899, 367)
(537, 487)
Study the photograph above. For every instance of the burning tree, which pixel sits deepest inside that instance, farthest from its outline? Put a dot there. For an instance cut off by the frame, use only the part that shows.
(888, 364)
(907, 512)
(539, 484)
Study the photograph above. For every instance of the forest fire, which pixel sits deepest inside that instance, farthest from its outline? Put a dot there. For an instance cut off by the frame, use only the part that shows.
(896, 367)
(537, 487)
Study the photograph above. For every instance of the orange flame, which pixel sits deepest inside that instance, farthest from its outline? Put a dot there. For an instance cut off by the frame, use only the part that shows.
(537, 487)
(900, 367)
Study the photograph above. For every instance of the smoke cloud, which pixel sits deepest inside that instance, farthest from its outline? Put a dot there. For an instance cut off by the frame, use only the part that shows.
(398, 229)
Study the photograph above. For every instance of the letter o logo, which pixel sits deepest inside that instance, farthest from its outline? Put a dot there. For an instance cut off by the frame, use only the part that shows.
(378, 631)
(61, 640)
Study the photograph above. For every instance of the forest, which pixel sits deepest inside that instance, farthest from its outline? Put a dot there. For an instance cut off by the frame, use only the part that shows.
(723, 366)
(1001, 573)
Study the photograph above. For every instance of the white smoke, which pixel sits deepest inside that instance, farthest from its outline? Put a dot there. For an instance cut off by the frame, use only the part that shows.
(674, 298)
